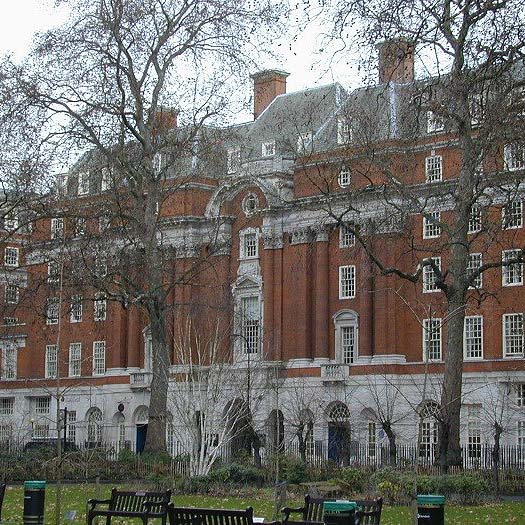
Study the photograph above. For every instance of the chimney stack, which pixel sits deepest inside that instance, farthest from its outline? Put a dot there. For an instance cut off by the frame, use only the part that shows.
(164, 120)
(396, 61)
(267, 85)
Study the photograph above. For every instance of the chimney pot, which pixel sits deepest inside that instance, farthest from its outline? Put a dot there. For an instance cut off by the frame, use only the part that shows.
(267, 85)
(396, 61)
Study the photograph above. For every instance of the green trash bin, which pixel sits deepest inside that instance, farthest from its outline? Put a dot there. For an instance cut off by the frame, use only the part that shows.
(339, 512)
(430, 509)
(34, 498)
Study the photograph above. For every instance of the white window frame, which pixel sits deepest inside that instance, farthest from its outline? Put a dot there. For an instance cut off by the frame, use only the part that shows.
(344, 130)
(514, 339)
(305, 142)
(511, 275)
(346, 319)
(347, 281)
(268, 148)
(51, 362)
(435, 327)
(475, 261)
(474, 436)
(71, 426)
(57, 228)
(12, 293)
(233, 160)
(512, 215)
(53, 277)
(433, 169)
(245, 235)
(83, 183)
(79, 226)
(431, 225)
(75, 359)
(346, 237)
(430, 278)
(157, 162)
(76, 309)
(371, 435)
(52, 307)
(475, 219)
(473, 337)
(7, 406)
(514, 156)
(105, 179)
(251, 328)
(435, 123)
(42, 405)
(9, 362)
(344, 179)
(476, 109)
(11, 257)
(99, 358)
(100, 266)
(104, 222)
(520, 438)
(520, 394)
(100, 307)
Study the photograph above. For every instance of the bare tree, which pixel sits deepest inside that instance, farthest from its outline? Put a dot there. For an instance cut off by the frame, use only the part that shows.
(473, 50)
(100, 86)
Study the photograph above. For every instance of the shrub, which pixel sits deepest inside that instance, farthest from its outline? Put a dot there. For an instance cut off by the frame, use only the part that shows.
(293, 469)
(353, 479)
(237, 473)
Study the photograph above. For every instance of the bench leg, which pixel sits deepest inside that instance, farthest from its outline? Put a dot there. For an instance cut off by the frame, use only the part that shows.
(108, 520)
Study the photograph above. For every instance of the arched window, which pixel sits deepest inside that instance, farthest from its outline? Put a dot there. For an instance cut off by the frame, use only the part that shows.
(428, 430)
(338, 417)
(119, 422)
(94, 426)
(142, 415)
(346, 336)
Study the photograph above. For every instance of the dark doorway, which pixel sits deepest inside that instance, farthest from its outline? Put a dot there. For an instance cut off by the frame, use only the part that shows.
(142, 430)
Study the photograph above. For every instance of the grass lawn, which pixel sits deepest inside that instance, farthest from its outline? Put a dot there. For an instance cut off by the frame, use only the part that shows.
(75, 497)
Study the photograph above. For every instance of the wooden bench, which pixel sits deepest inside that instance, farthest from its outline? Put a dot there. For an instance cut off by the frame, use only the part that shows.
(2, 493)
(192, 516)
(143, 505)
(369, 512)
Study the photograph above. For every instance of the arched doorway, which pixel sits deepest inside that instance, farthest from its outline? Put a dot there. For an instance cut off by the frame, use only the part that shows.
(338, 433)
(275, 429)
(141, 423)
(239, 425)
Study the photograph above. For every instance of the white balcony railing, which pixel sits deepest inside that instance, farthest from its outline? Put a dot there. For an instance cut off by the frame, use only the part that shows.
(334, 372)
(140, 379)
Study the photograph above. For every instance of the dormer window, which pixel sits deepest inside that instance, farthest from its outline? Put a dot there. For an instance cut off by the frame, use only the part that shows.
(157, 163)
(268, 148)
(11, 221)
(344, 131)
(104, 179)
(83, 183)
(435, 123)
(234, 160)
(305, 142)
(345, 177)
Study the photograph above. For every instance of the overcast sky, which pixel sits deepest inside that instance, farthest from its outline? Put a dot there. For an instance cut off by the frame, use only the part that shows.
(20, 20)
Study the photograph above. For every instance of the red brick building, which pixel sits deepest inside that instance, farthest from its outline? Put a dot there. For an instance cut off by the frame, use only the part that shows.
(290, 284)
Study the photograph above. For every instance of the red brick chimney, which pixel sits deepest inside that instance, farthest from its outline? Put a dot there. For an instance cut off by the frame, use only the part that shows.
(396, 61)
(164, 119)
(267, 85)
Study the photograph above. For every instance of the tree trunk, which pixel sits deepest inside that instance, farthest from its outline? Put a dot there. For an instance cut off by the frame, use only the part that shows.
(449, 422)
(498, 430)
(156, 435)
(392, 453)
